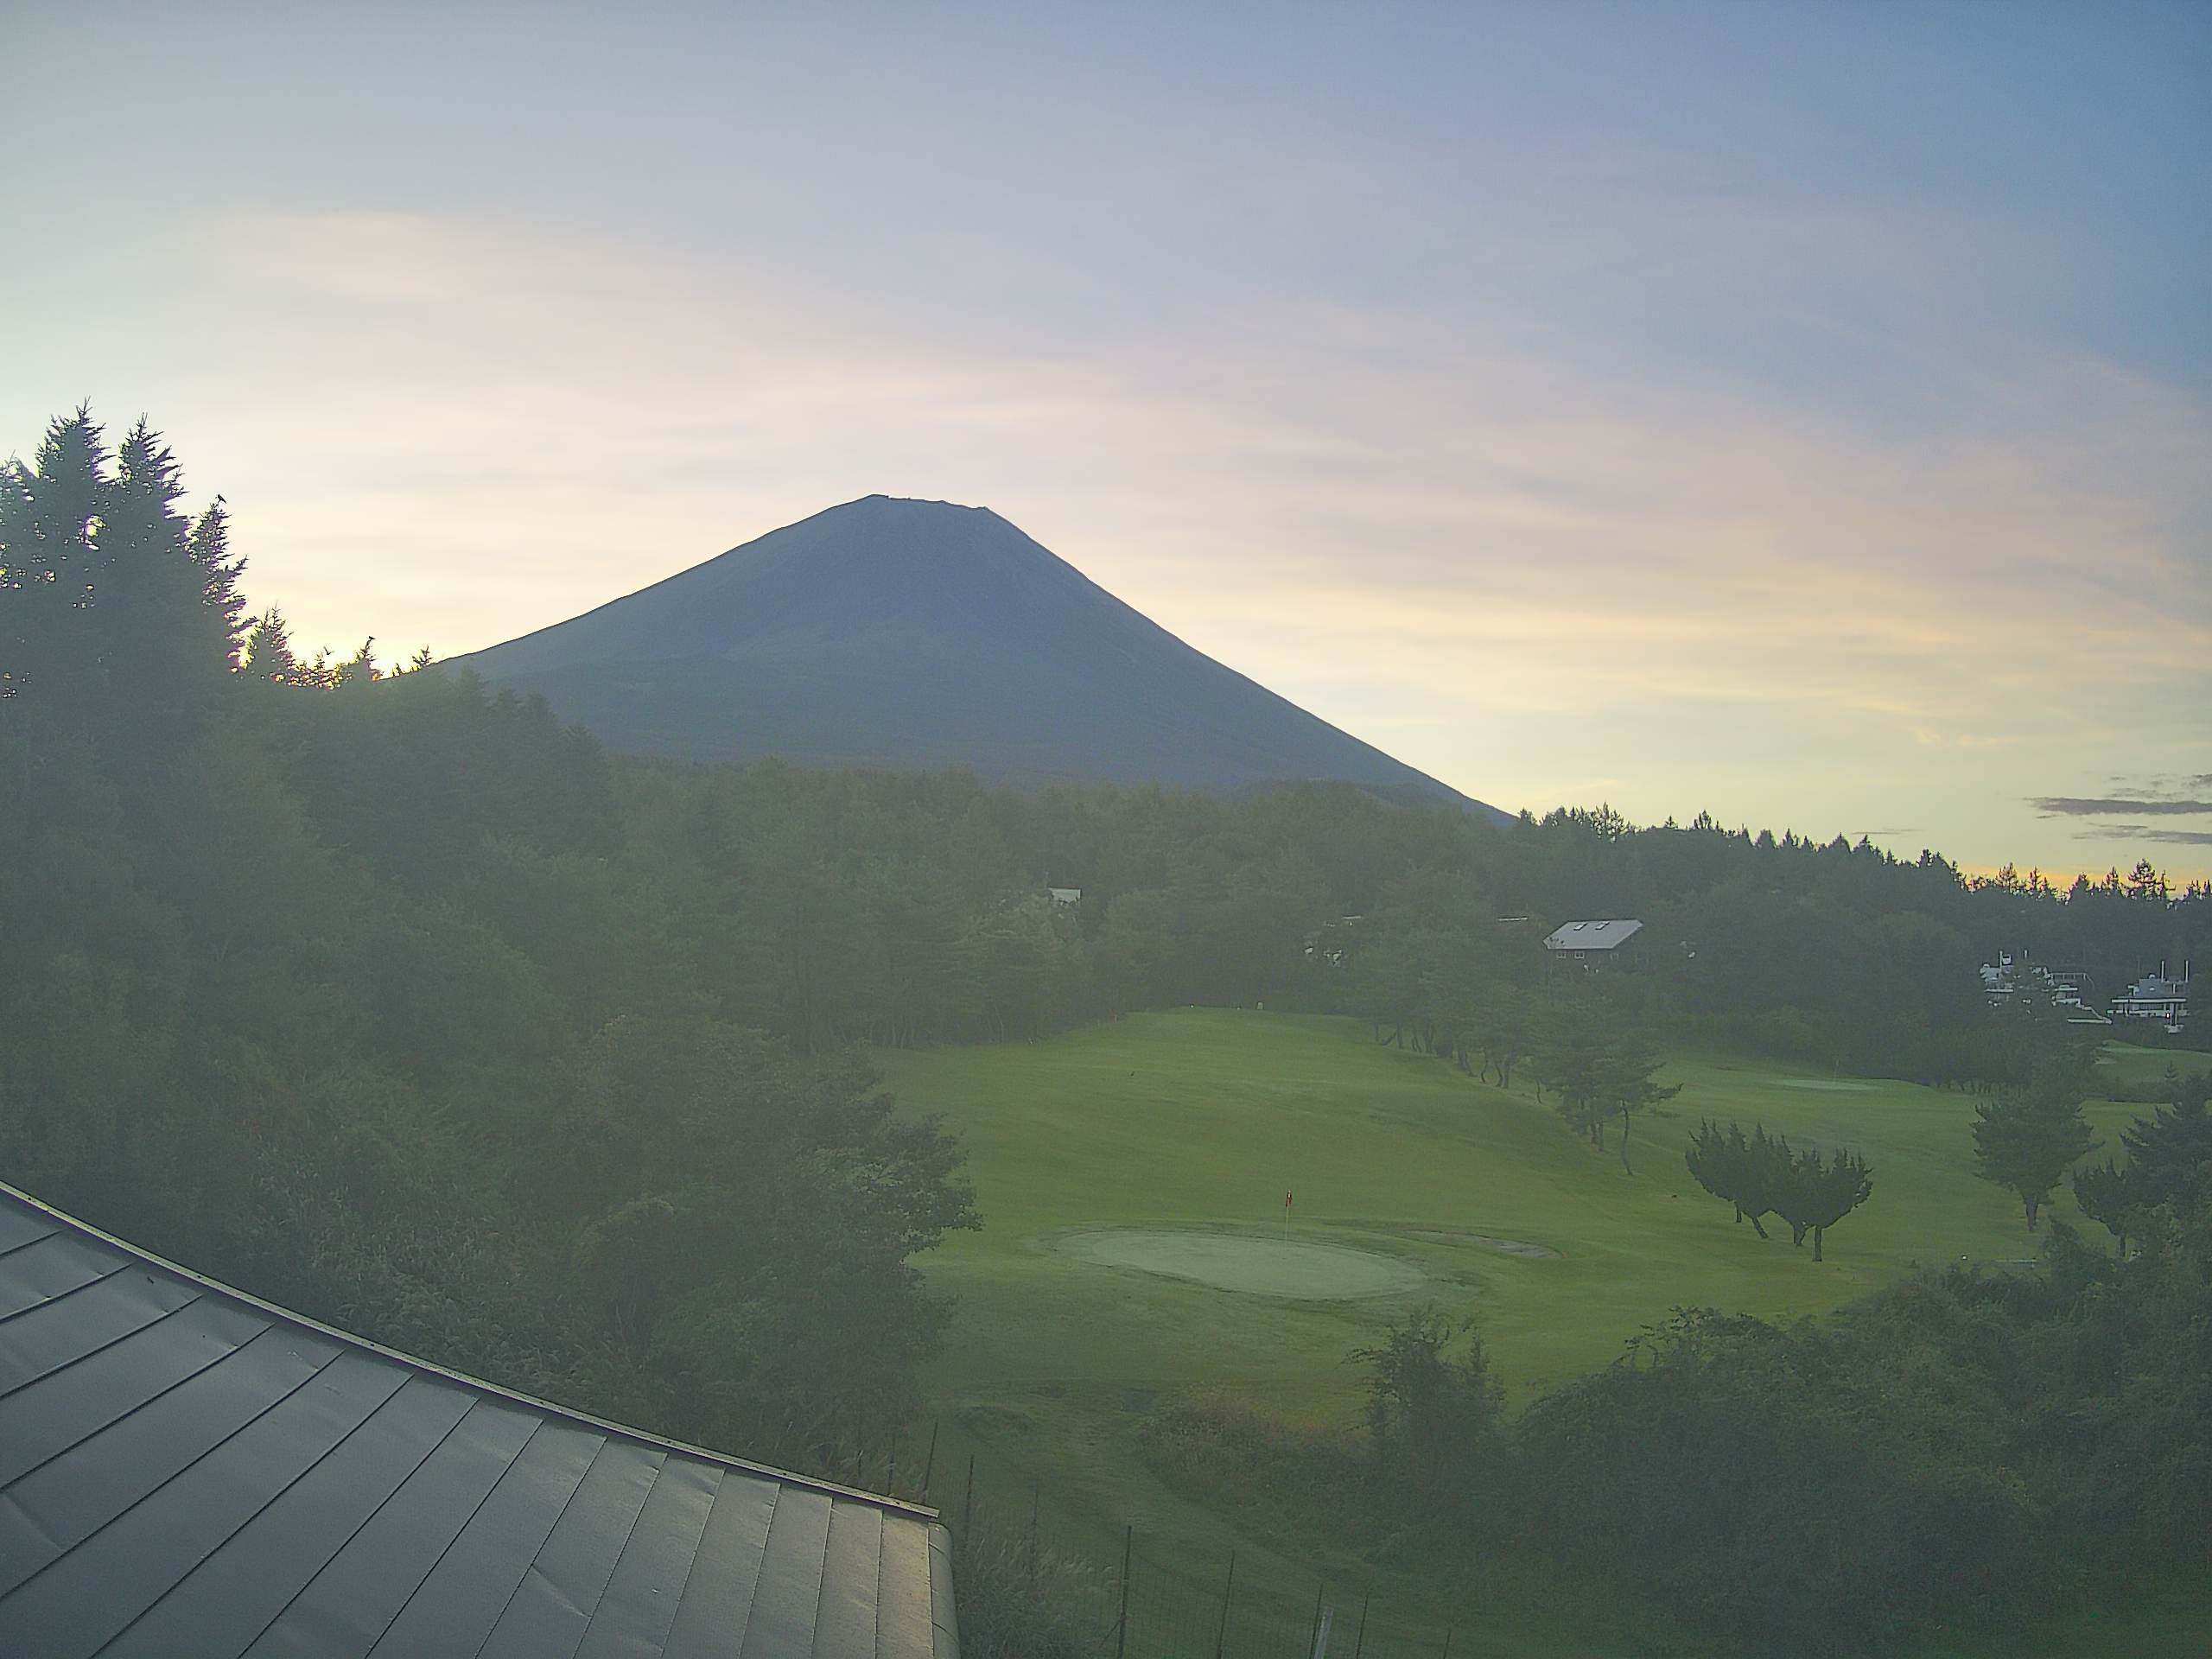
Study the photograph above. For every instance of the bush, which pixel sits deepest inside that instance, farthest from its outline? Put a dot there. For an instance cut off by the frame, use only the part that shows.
(1023, 1599)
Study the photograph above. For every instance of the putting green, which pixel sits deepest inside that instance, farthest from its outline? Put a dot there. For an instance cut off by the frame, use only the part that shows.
(1265, 1266)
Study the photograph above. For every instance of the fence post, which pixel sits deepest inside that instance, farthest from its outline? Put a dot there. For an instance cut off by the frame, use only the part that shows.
(929, 1464)
(1360, 1646)
(1228, 1585)
(968, 1508)
(1122, 1624)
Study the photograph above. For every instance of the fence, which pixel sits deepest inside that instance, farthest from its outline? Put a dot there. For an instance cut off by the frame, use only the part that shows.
(1129, 1597)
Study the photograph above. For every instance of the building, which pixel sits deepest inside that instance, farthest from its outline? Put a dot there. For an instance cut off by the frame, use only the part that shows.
(187, 1470)
(1065, 895)
(2156, 997)
(1591, 945)
(2067, 989)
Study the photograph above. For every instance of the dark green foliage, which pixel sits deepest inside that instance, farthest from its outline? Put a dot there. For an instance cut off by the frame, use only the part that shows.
(1813, 1193)
(1958, 1451)
(1433, 1417)
(1599, 1070)
(1759, 1177)
(374, 1000)
(2168, 1160)
(1747, 1173)
(2027, 1137)
(1022, 1598)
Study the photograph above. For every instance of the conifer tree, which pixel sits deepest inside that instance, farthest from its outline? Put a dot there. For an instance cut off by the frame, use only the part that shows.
(268, 652)
(2024, 1140)
(51, 514)
(1813, 1193)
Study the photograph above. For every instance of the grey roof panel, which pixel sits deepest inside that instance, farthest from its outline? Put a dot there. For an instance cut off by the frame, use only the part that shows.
(85, 1597)
(62, 1332)
(634, 1615)
(44, 1417)
(944, 1630)
(242, 1588)
(844, 1623)
(1593, 935)
(51, 1267)
(546, 1617)
(782, 1620)
(19, 1227)
(67, 1499)
(711, 1619)
(187, 1473)
(345, 1610)
(902, 1612)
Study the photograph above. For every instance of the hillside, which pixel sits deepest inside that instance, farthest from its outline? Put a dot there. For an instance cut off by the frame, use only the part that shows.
(1064, 1360)
(923, 634)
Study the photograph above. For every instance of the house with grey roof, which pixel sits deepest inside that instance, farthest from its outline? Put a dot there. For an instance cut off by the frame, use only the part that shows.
(189, 1472)
(1591, 945)
(2159, 998)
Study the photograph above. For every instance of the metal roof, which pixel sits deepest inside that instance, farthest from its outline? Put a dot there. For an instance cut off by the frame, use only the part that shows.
(1592, 936)
(188, 1472)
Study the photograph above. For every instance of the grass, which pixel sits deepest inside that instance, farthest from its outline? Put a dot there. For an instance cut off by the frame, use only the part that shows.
(1200, 1119)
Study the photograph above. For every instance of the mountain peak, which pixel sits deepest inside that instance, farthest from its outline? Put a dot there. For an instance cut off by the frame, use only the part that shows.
(889, 631)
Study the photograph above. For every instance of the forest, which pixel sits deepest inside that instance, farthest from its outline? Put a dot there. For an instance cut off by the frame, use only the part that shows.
(396, 1001)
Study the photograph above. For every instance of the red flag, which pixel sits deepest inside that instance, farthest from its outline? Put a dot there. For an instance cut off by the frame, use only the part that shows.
(1286, 1200)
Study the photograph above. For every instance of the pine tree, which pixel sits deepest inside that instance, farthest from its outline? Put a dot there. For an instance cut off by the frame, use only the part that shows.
(2105, 1194)
(208, 547)
(2168, 1161)
(268, 652)
(1813, 1193)
(1748, 1174)
(51, 553)
(1629, 1084)
(2026, 1139)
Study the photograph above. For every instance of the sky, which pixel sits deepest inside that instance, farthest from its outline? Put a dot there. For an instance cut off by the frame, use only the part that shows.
(1798, 412)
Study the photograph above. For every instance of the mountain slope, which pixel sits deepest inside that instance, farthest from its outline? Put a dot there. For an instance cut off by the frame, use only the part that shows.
(919, 633)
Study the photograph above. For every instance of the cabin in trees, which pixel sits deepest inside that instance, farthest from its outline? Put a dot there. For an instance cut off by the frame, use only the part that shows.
(1065, 897)
(2156, 997)
(1593, 946)
(187, 1470)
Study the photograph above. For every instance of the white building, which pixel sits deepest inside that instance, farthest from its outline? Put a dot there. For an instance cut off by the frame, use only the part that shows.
(2157, 997)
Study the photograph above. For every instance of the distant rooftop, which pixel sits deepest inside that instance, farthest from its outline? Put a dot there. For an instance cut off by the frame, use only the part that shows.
(1592, 936)
(186, 1470)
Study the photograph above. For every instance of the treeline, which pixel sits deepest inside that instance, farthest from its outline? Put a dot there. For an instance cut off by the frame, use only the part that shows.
(901, 908)
(376, 1001)
(898, 909)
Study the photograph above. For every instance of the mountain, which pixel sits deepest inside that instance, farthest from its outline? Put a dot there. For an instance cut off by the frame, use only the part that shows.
(889, 633)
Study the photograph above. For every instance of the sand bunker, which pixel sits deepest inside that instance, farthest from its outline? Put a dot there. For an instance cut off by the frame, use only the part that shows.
(1265, 1266)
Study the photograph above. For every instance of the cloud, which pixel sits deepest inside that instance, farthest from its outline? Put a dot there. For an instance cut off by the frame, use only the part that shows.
(2074, 806)
(2179, 837)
